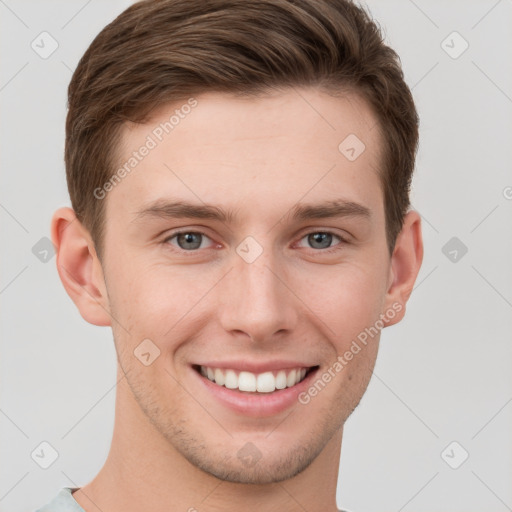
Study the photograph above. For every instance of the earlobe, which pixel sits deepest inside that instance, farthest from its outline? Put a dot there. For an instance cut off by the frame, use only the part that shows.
(405, 265)
(79, 268)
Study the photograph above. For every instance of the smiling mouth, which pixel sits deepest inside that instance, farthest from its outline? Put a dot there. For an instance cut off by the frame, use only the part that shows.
(248, 382)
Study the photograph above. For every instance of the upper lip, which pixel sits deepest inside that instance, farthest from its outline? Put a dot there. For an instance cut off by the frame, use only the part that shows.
(256, 367)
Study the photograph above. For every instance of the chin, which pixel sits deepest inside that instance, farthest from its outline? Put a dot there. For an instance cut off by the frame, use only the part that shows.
(257, 472)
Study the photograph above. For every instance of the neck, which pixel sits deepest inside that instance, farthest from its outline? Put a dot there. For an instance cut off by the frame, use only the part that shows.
(143, 471)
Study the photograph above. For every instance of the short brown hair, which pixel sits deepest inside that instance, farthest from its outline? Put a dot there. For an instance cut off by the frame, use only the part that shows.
(162, 51)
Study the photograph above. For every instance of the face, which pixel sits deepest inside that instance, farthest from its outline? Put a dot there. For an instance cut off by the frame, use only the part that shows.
(246, 251)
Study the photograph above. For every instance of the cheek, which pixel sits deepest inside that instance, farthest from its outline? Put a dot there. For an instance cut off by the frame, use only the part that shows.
(350, 300)
(152, 291)
(166, 305)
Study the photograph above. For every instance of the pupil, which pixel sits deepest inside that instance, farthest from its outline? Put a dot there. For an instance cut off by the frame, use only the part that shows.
(324, 239)
(187, 239)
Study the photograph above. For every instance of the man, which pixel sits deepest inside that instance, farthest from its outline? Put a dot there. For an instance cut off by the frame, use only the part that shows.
(239, 174)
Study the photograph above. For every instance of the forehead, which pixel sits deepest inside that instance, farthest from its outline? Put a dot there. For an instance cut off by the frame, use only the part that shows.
(279, 147)
(295, 113)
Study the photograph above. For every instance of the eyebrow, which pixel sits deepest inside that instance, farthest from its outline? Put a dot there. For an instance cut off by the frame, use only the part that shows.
(168, 209)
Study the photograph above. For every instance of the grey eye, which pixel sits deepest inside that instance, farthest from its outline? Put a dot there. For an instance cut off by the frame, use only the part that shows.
(320, 240)
(189, 240)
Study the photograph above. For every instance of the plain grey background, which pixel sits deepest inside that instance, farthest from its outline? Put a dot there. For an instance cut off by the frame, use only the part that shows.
(442, 375)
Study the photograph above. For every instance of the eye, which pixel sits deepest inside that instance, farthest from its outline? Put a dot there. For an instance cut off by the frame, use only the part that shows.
(191, 241)
(322, 240)
(187, 240)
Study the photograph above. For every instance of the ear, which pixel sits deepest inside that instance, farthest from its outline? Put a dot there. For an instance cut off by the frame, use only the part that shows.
(79, 268)
(405, 265)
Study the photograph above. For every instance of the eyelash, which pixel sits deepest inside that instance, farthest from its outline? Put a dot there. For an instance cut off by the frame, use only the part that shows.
(329, 250)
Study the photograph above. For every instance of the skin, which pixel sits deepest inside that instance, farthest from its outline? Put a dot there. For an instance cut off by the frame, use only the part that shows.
(174, 447)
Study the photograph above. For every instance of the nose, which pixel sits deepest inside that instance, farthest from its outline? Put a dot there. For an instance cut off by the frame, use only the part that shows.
(257, 300)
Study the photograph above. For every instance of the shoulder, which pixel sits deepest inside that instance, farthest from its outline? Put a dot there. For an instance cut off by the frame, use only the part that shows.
(63, 502)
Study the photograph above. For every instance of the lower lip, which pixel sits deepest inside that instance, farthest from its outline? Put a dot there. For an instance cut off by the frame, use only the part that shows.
(257, 404)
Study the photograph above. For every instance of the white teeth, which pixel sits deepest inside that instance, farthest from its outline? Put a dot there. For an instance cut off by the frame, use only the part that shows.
(247, 381)
(266, 382)
(231, 379)
(219, 377)
(291, 380)
(281, 379)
